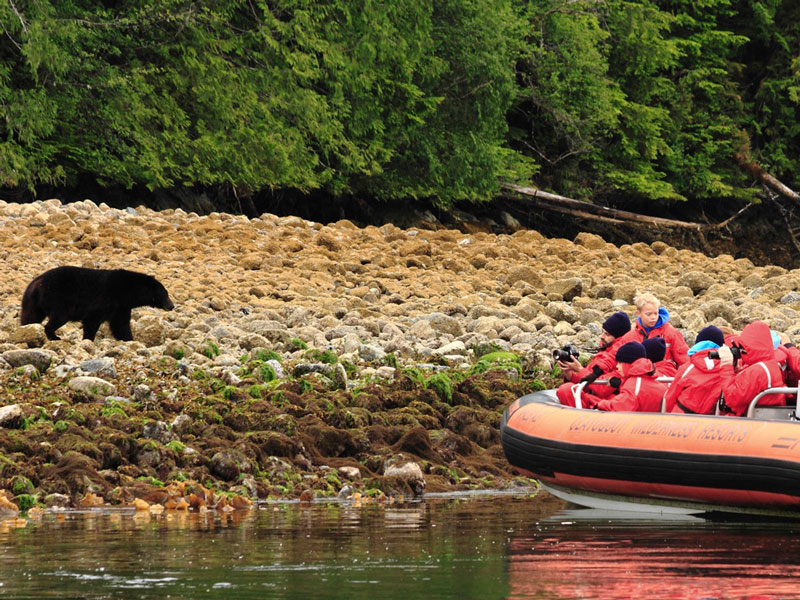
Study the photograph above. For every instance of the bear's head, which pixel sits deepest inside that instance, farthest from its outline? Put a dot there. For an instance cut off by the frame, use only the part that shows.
(160, 297)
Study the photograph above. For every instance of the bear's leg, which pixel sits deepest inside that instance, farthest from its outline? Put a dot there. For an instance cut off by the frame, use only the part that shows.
(53, 323)
(90, 326)
(121, 326)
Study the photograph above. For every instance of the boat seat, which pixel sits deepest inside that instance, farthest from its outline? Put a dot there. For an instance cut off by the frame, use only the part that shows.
(774, 413)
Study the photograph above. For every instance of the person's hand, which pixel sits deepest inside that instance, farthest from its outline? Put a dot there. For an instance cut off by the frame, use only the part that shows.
(570, 366)
(725, 356)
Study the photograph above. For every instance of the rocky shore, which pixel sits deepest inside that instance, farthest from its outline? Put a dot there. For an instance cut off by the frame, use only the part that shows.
(307, 360)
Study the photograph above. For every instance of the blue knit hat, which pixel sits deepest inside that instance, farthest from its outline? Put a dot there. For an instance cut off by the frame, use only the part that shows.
(655, 348)
(631, 352)
(618, 324)
(711, 334)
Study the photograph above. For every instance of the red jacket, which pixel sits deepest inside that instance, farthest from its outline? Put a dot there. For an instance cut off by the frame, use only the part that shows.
(760, 370)
(788, 358)
(639, 390)
(666, 368)
(697, 385)
(677, 348)
(606, 361)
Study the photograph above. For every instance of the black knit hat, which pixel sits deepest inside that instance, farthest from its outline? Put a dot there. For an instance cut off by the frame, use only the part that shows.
(655, 348)
(711, 334)
(630, 352)
(617, 324)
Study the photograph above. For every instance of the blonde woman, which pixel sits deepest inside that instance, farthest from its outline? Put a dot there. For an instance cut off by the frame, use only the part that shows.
(652, 321)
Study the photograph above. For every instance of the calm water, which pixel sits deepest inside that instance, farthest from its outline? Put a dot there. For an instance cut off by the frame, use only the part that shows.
(489, 547)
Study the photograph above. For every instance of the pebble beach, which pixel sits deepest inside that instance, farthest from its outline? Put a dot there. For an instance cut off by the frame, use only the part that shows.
(314, 359)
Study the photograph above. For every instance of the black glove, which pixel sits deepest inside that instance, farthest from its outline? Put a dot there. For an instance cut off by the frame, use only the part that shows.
(596, 372)
(615, 382)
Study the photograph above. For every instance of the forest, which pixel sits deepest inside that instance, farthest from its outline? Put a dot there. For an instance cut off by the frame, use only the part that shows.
(655, 101)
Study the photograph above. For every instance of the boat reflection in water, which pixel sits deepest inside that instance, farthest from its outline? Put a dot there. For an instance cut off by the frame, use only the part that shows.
(593, 554)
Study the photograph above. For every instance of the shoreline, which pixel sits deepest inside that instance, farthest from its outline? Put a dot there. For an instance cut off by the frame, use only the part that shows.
(303, 358)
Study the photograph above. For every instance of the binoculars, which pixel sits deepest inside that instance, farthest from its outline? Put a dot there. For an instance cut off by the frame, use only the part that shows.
(737, 352)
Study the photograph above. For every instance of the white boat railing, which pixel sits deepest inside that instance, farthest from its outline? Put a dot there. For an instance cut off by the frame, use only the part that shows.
(751, 408)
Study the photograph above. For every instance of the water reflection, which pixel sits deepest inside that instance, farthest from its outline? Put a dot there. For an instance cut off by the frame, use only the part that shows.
(587, 554)
(491, 547)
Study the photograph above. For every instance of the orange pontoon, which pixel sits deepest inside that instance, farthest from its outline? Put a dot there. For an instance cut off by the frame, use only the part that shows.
(658, 462)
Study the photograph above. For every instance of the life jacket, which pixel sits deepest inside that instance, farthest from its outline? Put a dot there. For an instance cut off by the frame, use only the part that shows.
(697, 385)
(639, 390)
(677, 348)
(759, 371)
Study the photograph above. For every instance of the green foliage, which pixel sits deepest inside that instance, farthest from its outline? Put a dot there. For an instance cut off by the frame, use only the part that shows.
(417, 376)
(266, 355)
(20, 484)
(298, 344)
(349, 368)
(643, 99)
(211, 349)
(26, 501)
(442, 385)
(325, 356)
(228, 392)
(537, 385)
(255, 391)
(498, 361)
(176, 446)
(266, 372)
(391, 99)
(151, 480)
(114, 409)
(623, 99)
(485, 348)
(305, 386)
(61, 426)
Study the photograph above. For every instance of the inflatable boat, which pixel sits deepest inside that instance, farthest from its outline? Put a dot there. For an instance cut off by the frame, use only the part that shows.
(659, 462)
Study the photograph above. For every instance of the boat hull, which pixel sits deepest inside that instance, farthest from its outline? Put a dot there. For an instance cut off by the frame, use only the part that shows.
(651, 458)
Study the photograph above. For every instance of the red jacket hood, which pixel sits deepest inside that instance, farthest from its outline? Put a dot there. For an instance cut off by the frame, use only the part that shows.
(756, 339)
(641, 366)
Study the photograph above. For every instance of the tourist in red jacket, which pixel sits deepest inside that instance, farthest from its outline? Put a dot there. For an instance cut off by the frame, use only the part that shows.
(656, 349)
(639, 390)
(652, 320)
(697, 385)
(602, 364)
(788, 357)
(759, 370)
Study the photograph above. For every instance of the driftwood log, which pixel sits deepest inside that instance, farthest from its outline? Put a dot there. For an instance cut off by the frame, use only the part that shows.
(588, 210)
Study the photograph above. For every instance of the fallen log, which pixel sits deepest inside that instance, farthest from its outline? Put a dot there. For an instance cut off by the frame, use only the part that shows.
(766, 179)
(588, 210)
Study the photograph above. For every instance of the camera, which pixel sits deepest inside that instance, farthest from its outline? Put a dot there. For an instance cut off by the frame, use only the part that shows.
(566, 353)
(737, 352)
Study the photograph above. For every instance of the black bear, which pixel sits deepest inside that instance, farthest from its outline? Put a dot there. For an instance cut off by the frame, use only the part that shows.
(90, 296)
